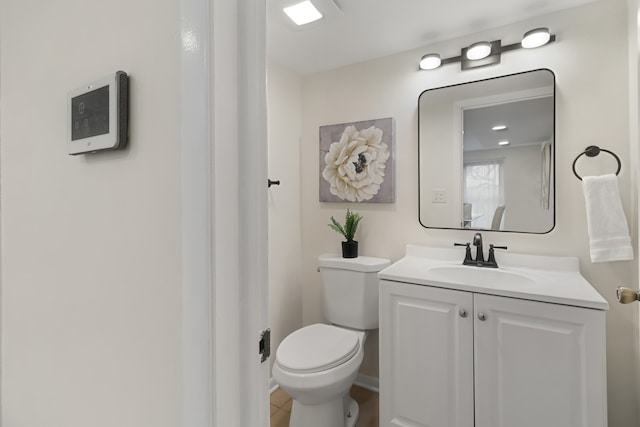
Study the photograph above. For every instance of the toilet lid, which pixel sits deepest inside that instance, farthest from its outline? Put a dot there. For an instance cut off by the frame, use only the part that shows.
(317, 348)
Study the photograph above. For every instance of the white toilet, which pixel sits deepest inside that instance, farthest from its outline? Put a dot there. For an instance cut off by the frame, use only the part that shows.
(317, 364)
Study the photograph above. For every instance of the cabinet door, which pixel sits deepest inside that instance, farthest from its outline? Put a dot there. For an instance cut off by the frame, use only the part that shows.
(538, 364)
(426, 356)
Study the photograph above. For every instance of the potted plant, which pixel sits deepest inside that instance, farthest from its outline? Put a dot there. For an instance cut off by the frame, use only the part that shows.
(349, 246)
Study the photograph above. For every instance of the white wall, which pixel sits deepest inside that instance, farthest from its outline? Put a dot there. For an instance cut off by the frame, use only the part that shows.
(592, 107)
(90, 244)
(285, 246)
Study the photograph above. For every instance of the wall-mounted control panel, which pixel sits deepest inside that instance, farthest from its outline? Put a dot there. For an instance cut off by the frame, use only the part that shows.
(99, 115)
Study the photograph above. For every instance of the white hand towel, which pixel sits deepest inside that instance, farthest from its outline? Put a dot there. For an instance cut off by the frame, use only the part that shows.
(608, 231)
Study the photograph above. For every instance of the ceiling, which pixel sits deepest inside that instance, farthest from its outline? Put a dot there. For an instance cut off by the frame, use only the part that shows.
(354, 31)
(530, 122)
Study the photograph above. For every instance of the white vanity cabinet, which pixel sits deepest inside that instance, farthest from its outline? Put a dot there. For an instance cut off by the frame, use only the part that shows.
(538, 364)
(471, 356)
(426, 356)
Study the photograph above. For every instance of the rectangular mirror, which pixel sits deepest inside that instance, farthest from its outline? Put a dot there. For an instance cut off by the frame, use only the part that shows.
(486, 154)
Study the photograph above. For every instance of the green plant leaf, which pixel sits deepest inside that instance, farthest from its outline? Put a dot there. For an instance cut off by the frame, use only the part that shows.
(335, 225)
(351, 224)
(351, 221)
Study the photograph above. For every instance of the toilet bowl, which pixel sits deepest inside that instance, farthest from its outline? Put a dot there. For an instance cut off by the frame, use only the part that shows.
(318, 364)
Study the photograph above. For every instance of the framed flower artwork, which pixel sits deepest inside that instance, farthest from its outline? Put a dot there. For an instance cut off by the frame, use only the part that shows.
(357, 162)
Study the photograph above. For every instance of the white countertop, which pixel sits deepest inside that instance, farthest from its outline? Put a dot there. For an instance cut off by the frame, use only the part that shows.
(548, 278)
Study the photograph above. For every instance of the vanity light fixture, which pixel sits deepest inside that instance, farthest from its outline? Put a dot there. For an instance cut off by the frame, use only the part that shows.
(303, 13)
(485, 53)
(499, 127)
(503, 143)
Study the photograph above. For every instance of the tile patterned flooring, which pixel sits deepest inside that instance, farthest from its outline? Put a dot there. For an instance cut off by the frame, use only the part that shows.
(367, 400)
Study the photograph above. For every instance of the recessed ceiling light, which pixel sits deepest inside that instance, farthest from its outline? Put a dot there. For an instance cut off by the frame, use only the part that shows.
(303, 13)
(499, 127)
(503, 143)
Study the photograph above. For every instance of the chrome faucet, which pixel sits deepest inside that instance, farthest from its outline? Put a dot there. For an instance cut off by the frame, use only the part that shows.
(479, 261)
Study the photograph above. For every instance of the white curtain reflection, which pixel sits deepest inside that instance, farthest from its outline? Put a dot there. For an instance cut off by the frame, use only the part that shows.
(483, 190)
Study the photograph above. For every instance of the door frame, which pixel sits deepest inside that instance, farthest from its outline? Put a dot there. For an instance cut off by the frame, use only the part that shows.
(224, 212)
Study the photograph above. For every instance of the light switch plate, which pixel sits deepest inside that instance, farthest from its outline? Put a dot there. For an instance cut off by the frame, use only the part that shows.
(438, 195)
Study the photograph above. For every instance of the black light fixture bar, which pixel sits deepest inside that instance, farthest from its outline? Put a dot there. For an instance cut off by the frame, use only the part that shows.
(494, 56)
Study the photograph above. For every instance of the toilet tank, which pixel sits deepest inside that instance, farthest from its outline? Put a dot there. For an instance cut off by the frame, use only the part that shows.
(351, 290)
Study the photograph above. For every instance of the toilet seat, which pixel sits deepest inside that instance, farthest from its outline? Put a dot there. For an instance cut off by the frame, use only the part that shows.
(317, 348)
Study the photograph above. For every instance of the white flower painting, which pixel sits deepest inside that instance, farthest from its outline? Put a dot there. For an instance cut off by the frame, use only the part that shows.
(356, 162)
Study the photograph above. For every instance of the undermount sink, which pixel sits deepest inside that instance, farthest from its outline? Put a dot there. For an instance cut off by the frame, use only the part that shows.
(488, 277)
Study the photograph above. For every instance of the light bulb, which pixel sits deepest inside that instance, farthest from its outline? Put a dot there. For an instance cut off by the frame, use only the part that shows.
(479, 50)
(536, 38)
(430, 61)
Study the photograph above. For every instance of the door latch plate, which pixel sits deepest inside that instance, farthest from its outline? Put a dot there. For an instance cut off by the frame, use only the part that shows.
(264, 345)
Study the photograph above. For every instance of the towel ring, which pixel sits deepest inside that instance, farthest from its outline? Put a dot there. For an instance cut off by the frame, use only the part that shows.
(592, 151)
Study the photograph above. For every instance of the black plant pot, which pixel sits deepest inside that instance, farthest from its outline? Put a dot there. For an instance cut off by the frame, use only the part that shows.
(350, 249)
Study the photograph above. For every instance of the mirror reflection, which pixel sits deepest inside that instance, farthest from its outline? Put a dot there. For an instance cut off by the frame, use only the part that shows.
(486, 154)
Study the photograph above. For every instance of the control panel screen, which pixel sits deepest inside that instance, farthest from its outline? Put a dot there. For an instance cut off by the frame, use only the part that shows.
(90, 114)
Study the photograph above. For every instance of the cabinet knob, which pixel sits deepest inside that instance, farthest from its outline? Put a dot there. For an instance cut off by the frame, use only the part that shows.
(482, 316)
(463, 312)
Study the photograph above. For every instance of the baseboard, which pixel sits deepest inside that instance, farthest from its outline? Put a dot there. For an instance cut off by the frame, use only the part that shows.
(370, 383)
(273, 385)
(364, 381)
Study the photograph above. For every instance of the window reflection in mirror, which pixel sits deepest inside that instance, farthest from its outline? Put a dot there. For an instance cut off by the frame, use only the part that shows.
(486, 154)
